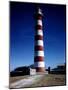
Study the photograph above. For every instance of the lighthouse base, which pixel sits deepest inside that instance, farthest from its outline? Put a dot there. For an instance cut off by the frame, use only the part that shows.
(40, 69)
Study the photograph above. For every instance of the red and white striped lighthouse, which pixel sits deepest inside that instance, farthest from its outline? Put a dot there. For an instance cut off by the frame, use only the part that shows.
(39, 47)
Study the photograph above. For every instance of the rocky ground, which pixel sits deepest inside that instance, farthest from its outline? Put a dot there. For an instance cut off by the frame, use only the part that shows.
(37, 81)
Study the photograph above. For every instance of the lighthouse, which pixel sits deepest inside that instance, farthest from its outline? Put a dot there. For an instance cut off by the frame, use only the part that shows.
(39, 42)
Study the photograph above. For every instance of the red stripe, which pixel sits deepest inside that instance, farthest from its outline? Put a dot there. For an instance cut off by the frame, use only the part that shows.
(38, 27)
(38, 58)
(39, 48)
(40, 69)
(38, 37)
(39, 17)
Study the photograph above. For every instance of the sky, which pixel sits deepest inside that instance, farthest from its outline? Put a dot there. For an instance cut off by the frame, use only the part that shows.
(22, 27)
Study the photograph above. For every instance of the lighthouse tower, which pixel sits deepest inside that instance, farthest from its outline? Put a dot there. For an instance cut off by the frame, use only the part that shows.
(39, 47)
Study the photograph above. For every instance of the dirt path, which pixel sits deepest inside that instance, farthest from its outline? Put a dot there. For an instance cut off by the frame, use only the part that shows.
(26, 82)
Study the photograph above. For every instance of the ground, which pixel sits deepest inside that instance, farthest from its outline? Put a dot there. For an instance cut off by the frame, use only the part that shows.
(37, 81)
(51, 80)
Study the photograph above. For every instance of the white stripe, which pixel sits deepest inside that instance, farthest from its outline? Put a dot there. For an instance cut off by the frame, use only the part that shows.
(39, 42)
(39, 11)
(39, 22)
(39, 64)
(39, 53)
(39, 32)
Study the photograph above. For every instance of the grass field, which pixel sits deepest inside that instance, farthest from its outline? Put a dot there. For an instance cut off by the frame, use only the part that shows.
(46, 80)
(51, 80)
